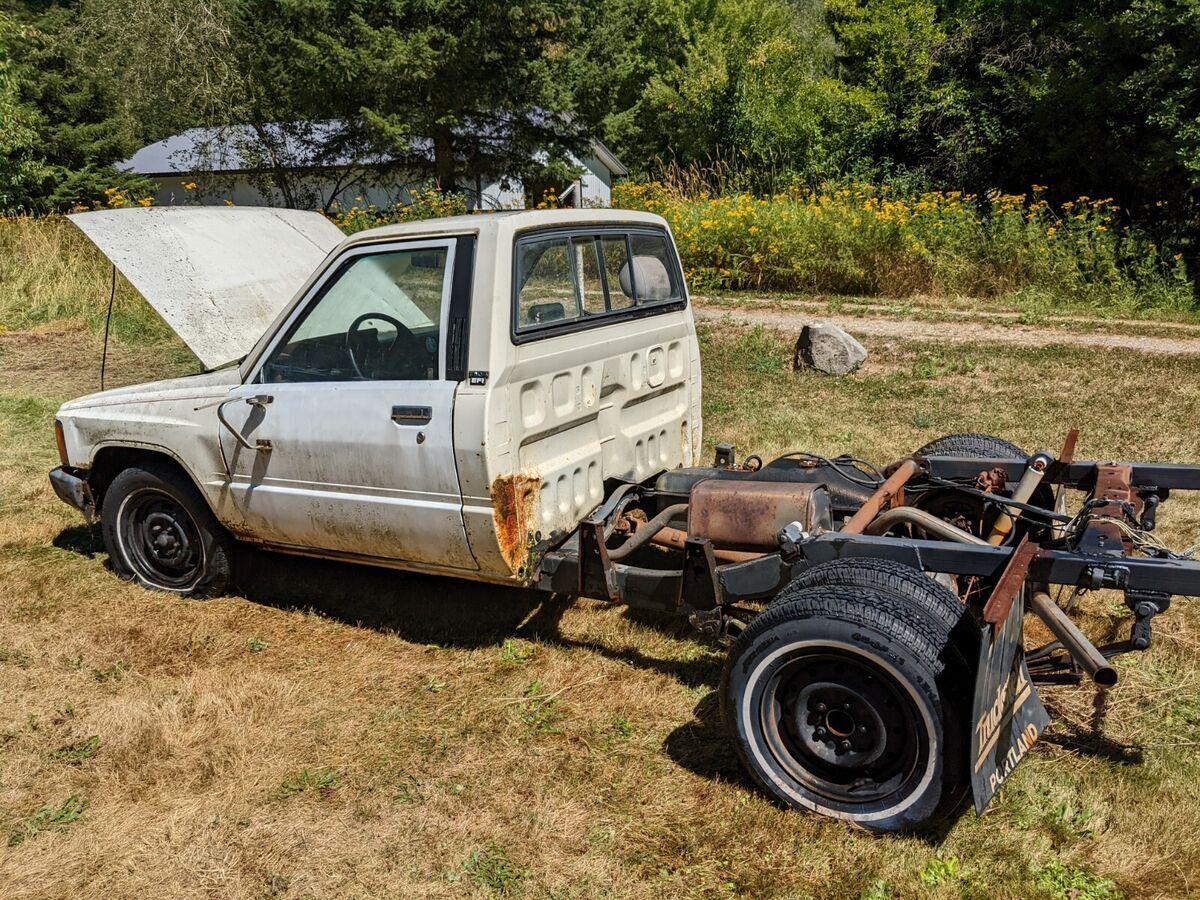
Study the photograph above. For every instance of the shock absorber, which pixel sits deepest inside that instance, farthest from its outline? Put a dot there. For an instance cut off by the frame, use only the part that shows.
(1035, 471)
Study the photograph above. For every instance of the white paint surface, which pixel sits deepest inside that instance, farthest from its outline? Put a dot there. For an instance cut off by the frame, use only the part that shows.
(218, 276)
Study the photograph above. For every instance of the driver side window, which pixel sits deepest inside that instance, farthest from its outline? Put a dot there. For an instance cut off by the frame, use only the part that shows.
(378, 319)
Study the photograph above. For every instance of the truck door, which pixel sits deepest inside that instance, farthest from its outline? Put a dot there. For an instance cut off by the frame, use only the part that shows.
(348, 415)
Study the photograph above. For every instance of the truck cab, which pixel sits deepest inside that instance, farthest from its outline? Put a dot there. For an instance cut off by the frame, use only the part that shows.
(450, 395)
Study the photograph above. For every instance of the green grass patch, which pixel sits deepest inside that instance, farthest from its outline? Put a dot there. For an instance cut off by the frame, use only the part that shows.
(514, 651)
(50, 272)
(1069, 883)
(310, 781)
(25, 418)
(115, 672)
(539, 712)
(11, 657)
(78, 751)
(490, 868)
(51, 817)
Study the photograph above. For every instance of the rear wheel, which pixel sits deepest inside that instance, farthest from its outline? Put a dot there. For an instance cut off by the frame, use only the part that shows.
(968, 512)
(160, 533)
(972, 444)
(845, 701)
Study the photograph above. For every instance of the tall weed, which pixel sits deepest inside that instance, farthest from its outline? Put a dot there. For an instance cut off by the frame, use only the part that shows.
(865, 239)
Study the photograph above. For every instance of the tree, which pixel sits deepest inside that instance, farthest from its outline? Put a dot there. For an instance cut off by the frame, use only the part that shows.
(1089, 98)
(623, 46)
(754, 82)
(452, 89)
(170, 65)
(887, 50)
(21, 171)
(78, 132)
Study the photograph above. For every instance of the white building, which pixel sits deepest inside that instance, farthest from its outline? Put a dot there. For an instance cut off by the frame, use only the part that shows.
(246, 166)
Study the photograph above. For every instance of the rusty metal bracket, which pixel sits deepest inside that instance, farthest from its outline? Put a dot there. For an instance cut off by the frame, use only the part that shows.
(886, 495)
(1114, 483)
(995, 611)
(1115, 498)
(595, 568)
(1066, 455)
(699, 587)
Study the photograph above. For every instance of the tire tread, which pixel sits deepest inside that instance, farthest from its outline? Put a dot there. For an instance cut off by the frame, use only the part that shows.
(972, 444)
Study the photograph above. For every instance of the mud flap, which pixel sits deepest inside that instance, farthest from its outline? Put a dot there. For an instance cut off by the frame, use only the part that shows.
(1008, 715)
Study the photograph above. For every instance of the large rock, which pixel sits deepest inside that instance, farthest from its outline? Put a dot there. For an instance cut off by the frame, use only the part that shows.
(829, 349)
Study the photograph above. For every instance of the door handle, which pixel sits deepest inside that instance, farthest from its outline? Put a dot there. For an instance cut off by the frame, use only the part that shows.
(412, 415)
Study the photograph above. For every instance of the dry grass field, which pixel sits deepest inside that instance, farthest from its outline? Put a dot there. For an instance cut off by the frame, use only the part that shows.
(333, 731)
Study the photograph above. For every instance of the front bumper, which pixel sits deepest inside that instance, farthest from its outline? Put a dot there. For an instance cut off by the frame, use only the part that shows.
(71, 488)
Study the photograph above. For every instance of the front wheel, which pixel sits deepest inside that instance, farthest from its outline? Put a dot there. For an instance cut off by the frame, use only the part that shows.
(160, 533)
(838, 703)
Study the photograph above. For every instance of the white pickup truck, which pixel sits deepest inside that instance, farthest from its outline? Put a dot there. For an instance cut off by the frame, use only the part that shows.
(515, 398)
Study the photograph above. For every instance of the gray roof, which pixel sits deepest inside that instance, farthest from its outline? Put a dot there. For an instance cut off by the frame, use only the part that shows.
(237, 148)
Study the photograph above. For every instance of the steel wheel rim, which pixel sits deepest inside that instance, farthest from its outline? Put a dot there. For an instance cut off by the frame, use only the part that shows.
(823, 699)
(160, 540)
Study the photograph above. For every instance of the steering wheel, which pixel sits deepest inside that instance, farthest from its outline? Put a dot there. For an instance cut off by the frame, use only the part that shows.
(402, 331)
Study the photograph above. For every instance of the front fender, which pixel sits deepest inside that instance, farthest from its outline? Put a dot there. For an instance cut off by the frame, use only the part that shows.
(182, 430)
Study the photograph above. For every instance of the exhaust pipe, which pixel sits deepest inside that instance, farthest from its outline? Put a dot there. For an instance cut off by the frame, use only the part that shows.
(1083, 651)
(910, 515)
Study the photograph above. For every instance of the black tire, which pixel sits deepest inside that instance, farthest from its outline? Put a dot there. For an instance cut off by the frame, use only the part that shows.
(896, 755)
(894, 578)
(970, 443)
(161, 534)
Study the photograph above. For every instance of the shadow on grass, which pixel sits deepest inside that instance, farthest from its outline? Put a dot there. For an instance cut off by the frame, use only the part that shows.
(1087, 740)
(85, 540)
(701, 746)
(429, 609)
(422, 609)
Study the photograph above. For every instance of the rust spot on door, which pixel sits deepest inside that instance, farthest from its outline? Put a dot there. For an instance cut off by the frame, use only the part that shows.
(514, 509)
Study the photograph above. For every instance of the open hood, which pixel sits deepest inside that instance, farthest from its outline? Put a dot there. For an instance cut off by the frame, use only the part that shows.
(218, 275)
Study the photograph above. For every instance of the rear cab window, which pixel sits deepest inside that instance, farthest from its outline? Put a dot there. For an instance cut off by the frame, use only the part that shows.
(566, 281)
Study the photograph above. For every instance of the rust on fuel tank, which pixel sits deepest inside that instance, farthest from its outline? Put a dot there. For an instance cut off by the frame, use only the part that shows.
(748, 514)
(514, 510)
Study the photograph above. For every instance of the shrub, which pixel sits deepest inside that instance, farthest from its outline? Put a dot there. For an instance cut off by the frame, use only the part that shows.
(864, 239)
(424, 203)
